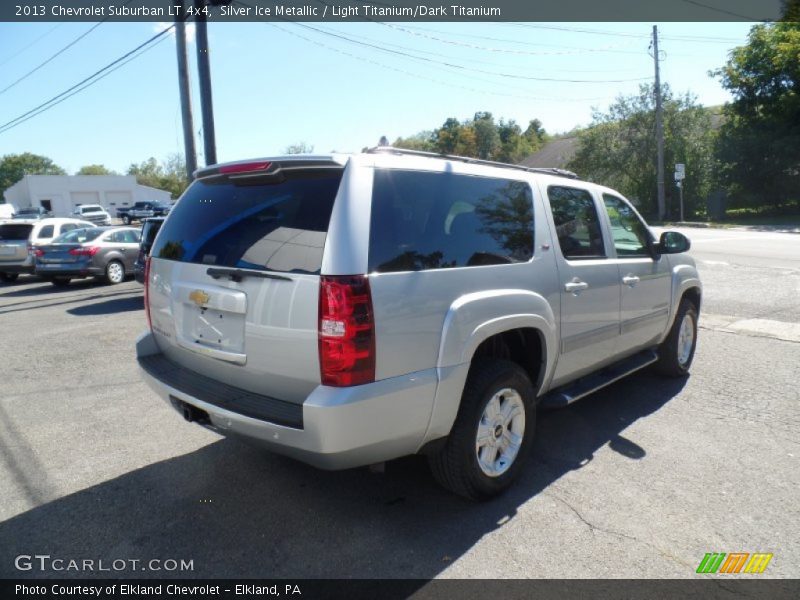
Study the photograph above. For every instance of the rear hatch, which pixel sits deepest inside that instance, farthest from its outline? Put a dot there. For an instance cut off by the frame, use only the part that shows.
(14, 242)
(235, 272)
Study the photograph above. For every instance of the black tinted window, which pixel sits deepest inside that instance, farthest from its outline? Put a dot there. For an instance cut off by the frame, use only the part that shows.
(576, 221)
(15, 232)
(149, 231)
(423, 220)
(46, 232)
(276, 224)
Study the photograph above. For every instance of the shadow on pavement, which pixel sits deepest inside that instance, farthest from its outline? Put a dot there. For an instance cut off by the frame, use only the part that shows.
(117, 305)
(238, 511)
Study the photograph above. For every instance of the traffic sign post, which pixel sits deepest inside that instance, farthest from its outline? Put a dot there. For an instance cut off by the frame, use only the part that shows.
(680, 175)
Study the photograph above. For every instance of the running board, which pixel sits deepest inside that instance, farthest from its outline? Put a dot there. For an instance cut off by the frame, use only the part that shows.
(591, 383)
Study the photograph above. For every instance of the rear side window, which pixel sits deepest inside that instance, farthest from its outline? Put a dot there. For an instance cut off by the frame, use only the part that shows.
(46, 232)
(149, 231)
(425, 220)
(15, 232)
(263, 223)
(79, 236)
(577, 223)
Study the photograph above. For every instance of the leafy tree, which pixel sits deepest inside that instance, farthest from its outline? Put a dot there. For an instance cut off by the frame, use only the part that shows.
(480, 137)
(619, 149)
(14, 167)
(169, 175)
(299, 148)
(759, 144)
(95, 170)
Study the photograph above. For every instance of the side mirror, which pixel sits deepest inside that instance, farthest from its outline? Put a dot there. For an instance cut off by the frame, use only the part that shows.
(673, 242)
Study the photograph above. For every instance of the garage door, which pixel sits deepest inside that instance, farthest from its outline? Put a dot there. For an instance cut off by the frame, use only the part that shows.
(84, 198)
(118, 199)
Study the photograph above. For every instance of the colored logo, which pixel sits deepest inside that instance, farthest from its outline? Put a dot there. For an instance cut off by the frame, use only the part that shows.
(199, 297)
(735, 562)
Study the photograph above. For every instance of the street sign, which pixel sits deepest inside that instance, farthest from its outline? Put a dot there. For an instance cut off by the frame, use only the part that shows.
(680, 171)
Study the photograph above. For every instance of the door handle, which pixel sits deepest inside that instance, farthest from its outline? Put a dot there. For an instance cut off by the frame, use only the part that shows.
(630, 280)
(575, 286)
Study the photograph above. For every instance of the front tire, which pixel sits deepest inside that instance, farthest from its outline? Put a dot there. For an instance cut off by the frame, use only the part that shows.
(126, 220)
(492, 434)
(676, 352)
(115, 272)
(60, 281)
(8, 277)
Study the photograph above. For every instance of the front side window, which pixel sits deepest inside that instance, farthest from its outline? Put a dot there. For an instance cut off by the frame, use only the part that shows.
(630, 235)
(577, 223)
(431, 220)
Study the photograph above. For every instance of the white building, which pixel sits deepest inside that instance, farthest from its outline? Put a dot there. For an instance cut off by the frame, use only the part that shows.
(62, 193)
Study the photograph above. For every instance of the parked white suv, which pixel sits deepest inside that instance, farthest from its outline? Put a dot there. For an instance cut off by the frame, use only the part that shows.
(92, 212)
(348, 310)
(19, 238)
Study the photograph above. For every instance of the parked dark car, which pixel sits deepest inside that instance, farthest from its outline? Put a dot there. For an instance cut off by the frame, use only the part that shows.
(36, 212)
(103, 252)
(143, 210)
(150, 228)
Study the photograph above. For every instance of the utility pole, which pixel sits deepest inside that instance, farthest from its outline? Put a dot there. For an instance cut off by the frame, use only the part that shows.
(184, 86)
(659, 130)
(204, 79)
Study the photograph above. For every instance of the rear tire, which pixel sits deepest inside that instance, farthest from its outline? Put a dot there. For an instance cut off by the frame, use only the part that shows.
(8, 277)
(492, 434)
(60, 281)
(115, 272)
(676, 352)
(126, 220)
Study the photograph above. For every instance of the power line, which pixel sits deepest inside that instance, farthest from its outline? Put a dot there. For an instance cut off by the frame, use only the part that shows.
(85, 83)
(681, 38)
(423, 77)
(721, 10)
(28, 45)
(462, 67)
(64, 49)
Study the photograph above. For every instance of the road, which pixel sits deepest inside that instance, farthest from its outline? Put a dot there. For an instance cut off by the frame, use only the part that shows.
(639, 480)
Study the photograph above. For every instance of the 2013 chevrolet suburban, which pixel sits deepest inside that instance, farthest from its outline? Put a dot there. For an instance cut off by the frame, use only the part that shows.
(351, 309)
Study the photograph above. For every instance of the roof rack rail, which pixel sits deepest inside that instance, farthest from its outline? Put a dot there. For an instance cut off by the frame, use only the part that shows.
(474, 161)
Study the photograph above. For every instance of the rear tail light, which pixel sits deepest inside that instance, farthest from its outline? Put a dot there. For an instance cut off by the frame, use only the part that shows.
(37, 251)
(346, 331)
(85, 251)
(147, 292)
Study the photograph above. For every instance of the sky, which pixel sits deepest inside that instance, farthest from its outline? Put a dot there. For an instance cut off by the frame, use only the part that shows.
(336, 87)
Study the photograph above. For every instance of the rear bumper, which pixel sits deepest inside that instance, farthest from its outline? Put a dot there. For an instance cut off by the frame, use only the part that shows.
(338, 428)
(17, 266)
(68, 270)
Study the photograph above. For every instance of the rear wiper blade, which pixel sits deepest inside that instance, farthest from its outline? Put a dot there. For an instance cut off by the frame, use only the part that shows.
(238, 274)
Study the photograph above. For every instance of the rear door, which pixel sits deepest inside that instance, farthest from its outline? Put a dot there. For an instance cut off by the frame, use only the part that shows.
(14, 242)
(234, 277)
(590, 283)
(129, 242)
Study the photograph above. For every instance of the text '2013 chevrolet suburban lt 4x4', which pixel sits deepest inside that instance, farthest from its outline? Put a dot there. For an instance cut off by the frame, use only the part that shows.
(350, 309)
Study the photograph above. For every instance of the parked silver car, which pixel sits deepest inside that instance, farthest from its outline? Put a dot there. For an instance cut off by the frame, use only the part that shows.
(102, 252)
(20, 238)
(348, 310)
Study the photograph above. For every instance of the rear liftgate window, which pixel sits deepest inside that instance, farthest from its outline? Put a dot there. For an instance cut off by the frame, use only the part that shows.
(424, 220)
(273, 223)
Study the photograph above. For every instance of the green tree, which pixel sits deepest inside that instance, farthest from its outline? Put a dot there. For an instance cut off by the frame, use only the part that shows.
(95, 170)
(299, 148)
(759, 144)
(14, 167)
(424, 141)
(169, 175)
(619, 149)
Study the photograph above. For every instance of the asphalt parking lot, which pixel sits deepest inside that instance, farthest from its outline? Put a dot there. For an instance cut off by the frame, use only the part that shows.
(639, 480)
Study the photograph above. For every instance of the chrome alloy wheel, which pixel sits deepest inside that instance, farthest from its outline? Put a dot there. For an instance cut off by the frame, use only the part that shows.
(115, 272)
(500, 432)
(685, 339)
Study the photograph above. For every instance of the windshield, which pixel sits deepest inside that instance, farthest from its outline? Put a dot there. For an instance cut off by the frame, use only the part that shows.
(78, 236)
(276, 224)
(15, 232)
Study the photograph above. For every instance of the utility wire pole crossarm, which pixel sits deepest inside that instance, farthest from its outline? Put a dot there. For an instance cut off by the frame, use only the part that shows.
(659, 130)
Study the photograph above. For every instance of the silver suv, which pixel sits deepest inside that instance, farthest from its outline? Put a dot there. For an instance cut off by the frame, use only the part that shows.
(351, 309)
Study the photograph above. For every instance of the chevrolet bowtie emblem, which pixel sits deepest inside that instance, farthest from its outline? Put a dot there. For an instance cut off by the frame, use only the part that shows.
(199, 297)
